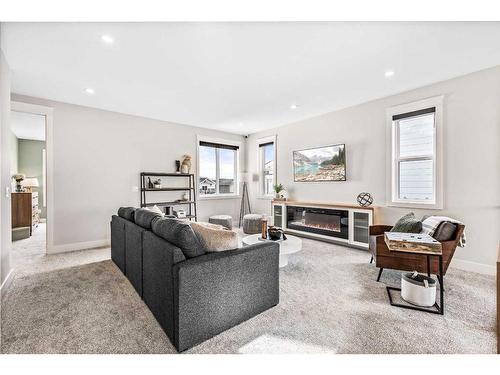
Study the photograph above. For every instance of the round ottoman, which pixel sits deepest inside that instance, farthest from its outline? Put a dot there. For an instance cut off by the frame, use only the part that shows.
(225, 220)
(251, 223)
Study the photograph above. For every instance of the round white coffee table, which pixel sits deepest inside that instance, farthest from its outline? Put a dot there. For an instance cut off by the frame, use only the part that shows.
(291, 245)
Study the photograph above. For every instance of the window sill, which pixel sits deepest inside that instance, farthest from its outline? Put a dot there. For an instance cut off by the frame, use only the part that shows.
(215, 197)
(424, 206)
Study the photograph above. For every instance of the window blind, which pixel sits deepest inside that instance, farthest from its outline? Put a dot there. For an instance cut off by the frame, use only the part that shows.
(414, 113)
(266, 144)
(219, 145)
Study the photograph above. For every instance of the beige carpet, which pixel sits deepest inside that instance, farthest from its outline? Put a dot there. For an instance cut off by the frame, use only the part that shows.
(329, 303)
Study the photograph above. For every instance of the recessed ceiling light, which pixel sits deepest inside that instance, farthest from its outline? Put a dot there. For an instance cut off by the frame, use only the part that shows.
(294, 106)
(108, 39)
(388, 73)
(89, 91)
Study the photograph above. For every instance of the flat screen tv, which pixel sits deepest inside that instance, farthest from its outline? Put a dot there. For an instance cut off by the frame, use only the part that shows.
(319, 164)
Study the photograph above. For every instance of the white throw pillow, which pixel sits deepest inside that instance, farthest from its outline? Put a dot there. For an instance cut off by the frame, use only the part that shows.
(215, 237)
(155, 209)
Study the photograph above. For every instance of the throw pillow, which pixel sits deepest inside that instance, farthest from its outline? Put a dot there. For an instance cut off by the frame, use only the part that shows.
(214, 237)
(408, 224)
(445, 231)
(180, 234)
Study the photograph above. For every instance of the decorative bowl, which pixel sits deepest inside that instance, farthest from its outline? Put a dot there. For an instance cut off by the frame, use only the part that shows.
(274, 233)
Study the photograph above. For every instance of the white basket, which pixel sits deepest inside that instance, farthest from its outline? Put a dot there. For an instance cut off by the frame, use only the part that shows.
(418, 289)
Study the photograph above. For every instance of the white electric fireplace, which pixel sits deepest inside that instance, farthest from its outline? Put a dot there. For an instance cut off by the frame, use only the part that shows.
(348, 225)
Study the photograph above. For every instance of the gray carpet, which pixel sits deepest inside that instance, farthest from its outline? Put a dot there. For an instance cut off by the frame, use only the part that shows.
(329, 303)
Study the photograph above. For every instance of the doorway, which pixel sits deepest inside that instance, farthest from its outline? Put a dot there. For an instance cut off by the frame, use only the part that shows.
(30, 179)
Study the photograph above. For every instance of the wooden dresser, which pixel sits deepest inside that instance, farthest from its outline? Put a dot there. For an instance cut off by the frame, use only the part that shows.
(25, 211)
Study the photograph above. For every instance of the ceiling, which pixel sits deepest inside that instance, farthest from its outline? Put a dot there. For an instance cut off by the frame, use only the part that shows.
(27, 125)
(239, 77)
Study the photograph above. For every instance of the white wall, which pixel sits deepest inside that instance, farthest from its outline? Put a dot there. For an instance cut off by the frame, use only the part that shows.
(98, 156)
(471, 158)
(13, 153)
(5, 139)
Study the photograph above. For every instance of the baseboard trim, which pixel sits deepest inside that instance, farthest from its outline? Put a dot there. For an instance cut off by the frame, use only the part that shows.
(467, 265)
(57, 249)
(6, 283)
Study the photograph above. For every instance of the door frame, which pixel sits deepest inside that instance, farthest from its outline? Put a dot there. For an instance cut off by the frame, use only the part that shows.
(48, 112)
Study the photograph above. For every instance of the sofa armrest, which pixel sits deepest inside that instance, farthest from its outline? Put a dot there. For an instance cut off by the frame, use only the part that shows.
(217, 291)
(376, 230)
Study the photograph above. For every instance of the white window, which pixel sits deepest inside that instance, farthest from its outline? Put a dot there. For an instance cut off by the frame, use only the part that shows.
(217, 168)
(415, 157)
(267, 166)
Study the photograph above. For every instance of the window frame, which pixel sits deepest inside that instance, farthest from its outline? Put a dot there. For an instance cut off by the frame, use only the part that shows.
(393, 158)
(217, 195)
(260, 162)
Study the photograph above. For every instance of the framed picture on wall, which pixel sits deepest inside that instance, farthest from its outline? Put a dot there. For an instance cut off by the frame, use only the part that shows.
(320, 164)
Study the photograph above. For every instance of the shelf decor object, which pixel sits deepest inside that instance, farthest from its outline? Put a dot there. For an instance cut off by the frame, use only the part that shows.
(189, 192)
(365, 199)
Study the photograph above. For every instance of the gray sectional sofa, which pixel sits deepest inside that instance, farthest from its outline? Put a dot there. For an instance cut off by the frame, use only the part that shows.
(194, 295)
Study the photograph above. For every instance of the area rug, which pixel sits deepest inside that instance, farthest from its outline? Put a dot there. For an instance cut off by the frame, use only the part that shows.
(329, 303)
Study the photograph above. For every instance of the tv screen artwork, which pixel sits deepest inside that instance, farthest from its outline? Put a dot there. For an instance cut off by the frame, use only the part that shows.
(320, 164)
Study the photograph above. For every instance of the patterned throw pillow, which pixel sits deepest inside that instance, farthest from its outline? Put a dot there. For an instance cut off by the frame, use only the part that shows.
(408, 224)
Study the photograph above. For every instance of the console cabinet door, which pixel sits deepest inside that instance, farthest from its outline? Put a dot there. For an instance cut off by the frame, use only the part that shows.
(359, 226)
(279, 215)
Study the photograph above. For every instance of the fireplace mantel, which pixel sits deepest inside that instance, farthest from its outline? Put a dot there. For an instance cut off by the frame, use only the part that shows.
(359, 219)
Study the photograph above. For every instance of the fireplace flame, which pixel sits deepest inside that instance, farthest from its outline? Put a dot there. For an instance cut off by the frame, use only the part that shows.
(334, 227)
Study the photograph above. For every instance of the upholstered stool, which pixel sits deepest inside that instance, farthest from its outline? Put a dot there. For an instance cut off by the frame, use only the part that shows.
(252, 223)
(224, 220)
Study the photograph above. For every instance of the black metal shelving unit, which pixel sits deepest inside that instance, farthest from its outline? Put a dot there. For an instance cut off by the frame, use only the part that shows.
(190, 203)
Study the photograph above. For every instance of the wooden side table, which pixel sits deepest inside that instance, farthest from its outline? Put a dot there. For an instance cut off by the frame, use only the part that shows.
(417, 244)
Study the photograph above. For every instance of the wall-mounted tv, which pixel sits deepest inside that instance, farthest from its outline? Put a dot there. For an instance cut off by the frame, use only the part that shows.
(319, 164)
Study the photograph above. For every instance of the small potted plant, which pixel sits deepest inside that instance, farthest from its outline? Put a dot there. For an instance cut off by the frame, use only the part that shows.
(278, 188)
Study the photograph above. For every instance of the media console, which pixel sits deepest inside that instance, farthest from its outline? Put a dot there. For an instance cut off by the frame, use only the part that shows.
(345, 224)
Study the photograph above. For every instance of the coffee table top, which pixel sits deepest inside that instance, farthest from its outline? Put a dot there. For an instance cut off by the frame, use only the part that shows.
(291, 245)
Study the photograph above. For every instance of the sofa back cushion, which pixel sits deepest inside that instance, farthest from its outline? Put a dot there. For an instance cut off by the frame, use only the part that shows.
(127, 213)
(214, 237)
(145, 218)
(408, 224)
(179, 233)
